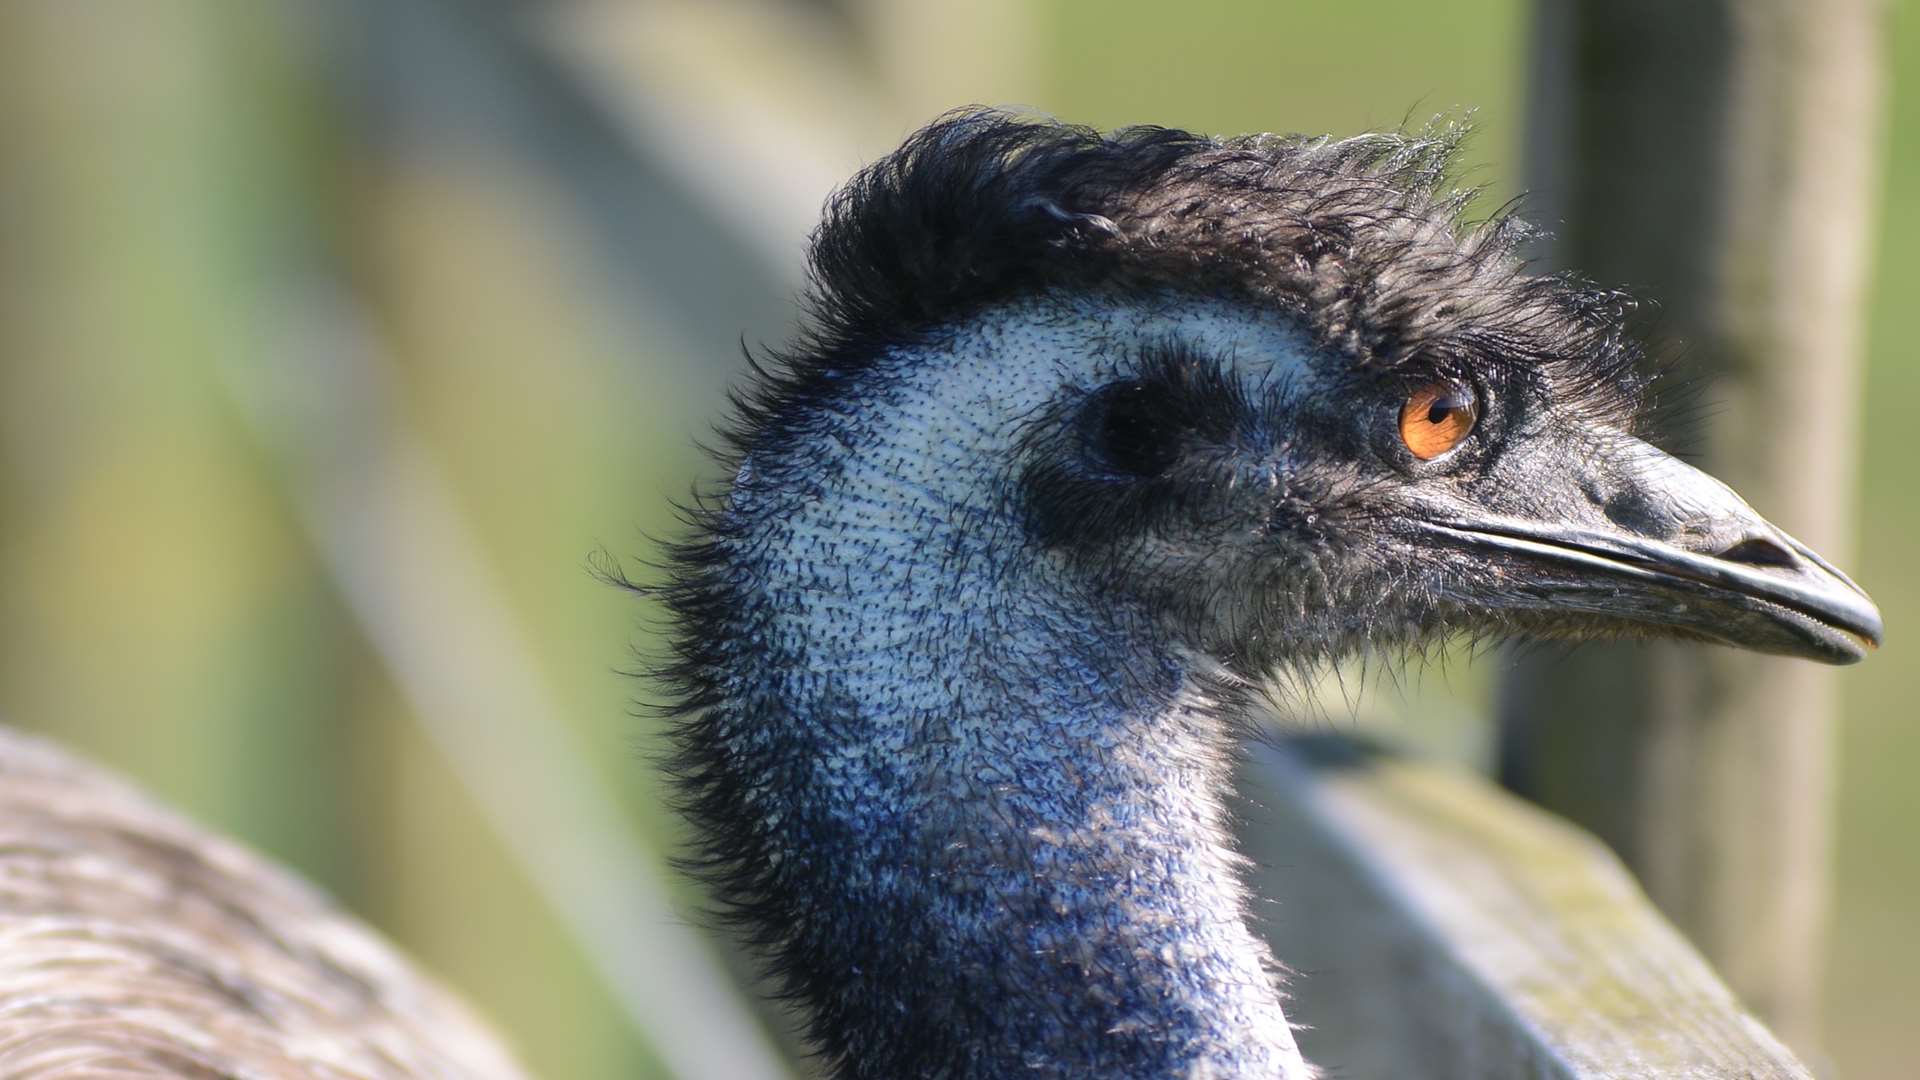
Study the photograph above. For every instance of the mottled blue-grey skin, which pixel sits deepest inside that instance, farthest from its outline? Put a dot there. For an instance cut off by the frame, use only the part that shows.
(1008, 774)
(1088, 436)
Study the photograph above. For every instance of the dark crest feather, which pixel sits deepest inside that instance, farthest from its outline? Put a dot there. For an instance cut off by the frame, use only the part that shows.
(1362, 237)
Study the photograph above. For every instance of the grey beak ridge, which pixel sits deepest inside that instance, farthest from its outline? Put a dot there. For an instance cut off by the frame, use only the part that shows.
(1801, 607)
(1666, 546)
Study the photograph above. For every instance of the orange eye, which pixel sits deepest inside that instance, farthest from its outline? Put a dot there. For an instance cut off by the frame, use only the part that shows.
(1436, 417)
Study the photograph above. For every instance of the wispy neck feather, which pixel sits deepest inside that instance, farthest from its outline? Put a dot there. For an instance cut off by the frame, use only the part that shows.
(972, 813)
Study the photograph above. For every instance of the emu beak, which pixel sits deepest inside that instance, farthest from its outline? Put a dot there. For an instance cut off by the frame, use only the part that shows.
(1649, 541)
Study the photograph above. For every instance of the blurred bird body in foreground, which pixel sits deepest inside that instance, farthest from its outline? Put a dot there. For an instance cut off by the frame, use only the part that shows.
(1090, 437)
(134, 945)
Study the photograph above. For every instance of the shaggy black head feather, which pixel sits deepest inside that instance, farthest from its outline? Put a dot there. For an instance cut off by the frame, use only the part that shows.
(1363, 237)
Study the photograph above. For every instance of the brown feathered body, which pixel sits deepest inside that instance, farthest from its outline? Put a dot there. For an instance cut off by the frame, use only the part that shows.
(133, 943)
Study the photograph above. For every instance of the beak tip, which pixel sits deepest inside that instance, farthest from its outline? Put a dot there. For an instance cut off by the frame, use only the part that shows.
(1852, 636)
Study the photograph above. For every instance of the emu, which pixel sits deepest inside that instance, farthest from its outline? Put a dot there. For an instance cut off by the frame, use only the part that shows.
(1090, 439)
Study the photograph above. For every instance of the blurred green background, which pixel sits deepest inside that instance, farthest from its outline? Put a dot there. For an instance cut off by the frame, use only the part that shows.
(336, 338)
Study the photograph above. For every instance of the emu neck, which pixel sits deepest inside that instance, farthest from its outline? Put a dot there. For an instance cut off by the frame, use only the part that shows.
(990, 805)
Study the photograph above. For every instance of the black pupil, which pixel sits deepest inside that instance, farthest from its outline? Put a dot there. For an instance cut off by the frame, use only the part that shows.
(1446, 405)
(1135, 433)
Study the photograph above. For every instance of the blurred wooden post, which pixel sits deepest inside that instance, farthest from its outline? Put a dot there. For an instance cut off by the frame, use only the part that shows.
(1718, 157)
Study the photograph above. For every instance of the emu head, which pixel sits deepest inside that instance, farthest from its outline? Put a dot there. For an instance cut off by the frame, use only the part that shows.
(1275, 390)
(1087, 435)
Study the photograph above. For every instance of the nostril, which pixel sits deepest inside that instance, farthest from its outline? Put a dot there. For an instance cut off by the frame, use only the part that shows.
(1759, 551)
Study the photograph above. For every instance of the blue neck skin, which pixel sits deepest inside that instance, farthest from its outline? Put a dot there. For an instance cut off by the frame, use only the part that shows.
(991, 806)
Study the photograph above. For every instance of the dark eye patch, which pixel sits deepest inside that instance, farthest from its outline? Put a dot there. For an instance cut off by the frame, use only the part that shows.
(1134, 429)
